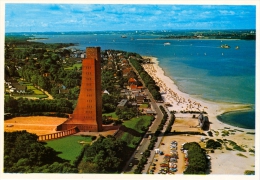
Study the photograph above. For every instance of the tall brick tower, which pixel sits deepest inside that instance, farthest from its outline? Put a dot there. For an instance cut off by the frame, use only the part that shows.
(87, 115)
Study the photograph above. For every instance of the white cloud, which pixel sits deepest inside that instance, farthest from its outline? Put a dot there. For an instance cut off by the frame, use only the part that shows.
(44, 24)
(186, 12)
(225, 12)
(158, 12)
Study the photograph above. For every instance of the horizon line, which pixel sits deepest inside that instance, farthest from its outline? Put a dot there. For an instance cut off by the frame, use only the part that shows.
(162, 30)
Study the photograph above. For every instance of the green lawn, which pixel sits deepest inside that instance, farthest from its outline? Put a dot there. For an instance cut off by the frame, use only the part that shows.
(77, 65)
(130, 139)
(113, 114)
(138, 123)
(69, 146)
(35, 91)
(144, 105)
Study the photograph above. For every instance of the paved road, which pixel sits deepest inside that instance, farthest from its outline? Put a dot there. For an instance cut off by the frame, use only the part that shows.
(157, 144)
(136, 156)
(145, 141)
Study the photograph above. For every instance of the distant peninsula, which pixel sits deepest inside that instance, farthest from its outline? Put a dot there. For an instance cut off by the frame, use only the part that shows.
(231, 34)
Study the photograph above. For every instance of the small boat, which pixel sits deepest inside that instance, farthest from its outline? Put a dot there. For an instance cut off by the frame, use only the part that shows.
(123, 36)
(225, 46)
(166, 44)
(237, 47)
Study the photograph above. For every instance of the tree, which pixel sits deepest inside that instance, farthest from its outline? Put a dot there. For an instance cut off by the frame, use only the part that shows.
(10, 104)
(24, 154)
(106, 154)
(213, 144)
(197, 159)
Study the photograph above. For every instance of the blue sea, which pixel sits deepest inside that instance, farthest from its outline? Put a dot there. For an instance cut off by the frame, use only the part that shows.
(198, 67)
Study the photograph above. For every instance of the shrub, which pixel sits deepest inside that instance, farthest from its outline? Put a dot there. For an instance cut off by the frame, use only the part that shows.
(213, 144)
(249, 172)
(210, 133)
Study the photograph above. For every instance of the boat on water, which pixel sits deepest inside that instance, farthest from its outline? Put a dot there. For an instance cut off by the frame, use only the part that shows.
(237, 47)
(225, 46)
(123, 36)
(166, 44)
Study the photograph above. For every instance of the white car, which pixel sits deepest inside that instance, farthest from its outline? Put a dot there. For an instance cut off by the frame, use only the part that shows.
(208, 157)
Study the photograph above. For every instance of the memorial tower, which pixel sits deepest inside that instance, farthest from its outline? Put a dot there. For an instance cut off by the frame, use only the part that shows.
(87, 115)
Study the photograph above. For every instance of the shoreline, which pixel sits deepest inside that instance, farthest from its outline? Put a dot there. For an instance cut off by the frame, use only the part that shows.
(181, 101)
(188, 39)
(219, 163)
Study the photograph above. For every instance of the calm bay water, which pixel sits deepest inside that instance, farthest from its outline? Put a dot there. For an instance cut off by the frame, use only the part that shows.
(198, 67)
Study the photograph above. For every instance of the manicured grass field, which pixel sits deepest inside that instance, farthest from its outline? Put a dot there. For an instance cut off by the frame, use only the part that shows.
(138, 123)
(113, 114)
(130, 139)
(144, 105)
(36, 91)
(77, 65)
(69, 146)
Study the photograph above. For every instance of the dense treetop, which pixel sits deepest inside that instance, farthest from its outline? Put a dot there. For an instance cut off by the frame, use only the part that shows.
(24, 154)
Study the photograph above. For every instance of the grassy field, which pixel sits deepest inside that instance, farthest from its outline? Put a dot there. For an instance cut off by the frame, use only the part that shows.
(69, 146)
(138, 123)
(113, 114)
(35, 91)
(144, 105)
(77, 65)
(130, 139)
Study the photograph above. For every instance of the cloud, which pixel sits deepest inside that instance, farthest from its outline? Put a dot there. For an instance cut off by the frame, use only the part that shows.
(225, 12)
(126, 16)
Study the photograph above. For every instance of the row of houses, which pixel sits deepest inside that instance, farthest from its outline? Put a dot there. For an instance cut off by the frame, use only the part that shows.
(136, 93)
(132, 94)
(15, 87)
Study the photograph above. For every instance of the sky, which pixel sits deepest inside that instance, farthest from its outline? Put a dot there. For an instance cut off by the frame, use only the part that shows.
(112, 17)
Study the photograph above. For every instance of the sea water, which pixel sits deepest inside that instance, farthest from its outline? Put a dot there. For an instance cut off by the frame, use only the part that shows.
(199, 67)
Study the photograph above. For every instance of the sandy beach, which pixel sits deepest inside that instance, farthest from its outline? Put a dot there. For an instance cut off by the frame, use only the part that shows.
(222, 161)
